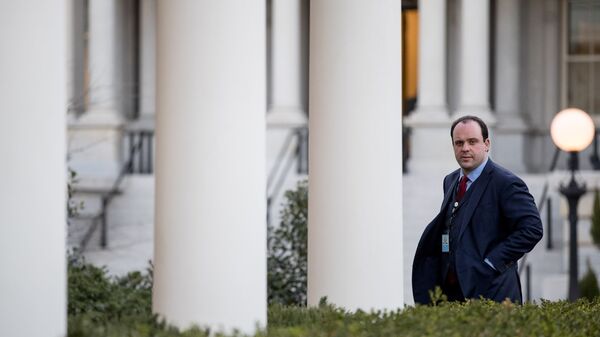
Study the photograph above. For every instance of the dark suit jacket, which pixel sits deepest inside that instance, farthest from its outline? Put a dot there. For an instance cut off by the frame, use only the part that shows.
(498, 221)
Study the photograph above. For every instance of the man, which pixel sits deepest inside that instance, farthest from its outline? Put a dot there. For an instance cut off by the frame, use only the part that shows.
(487, 222)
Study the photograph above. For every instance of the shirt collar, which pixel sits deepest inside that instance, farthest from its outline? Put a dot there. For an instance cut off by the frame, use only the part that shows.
(475, 173)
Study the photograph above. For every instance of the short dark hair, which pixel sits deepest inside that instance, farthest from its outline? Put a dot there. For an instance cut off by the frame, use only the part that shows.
(464, 119)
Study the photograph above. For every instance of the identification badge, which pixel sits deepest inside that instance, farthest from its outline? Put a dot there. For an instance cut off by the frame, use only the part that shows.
(445, 243)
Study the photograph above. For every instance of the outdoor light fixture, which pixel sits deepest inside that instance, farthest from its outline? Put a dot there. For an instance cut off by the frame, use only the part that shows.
(572, 130)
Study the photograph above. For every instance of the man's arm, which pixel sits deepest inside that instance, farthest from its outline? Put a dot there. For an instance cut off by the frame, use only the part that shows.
(522, 217)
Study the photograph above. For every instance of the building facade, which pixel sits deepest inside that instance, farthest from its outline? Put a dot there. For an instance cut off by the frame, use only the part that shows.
(514, 63)
(199, 106)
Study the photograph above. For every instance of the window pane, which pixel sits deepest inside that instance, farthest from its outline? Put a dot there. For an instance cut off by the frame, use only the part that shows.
(578, 85)
(596, 88)
(596, 31)
(580, 27)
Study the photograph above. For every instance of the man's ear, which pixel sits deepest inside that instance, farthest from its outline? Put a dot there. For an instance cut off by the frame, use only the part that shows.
(487, 145)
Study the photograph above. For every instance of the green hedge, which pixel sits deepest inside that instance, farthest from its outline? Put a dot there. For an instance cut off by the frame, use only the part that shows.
(101, 298)
(111, 307)
(588, 285)
(476, 318)
(287, 250)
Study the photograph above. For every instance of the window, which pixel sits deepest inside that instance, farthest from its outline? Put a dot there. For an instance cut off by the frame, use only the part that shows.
(581, 87)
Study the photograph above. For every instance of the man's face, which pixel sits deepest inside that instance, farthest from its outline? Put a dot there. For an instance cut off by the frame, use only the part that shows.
(470, 149)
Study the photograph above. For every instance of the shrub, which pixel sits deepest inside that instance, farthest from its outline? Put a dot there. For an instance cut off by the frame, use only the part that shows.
(595, 228)
(588, 285)
(102, 298)
(100, 305)
(287, 250)
(474, 318)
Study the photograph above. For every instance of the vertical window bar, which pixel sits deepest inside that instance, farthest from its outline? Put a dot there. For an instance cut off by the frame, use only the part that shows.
(150, 153)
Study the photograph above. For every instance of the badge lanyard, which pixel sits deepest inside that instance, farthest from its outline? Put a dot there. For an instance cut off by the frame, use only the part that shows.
(446, 236)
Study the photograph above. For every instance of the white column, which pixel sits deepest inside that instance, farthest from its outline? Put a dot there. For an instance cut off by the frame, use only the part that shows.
(287, 106)
(103, 68)
(95, 138)
(474, 92)
(509, 137)
(430, 121)
(76, 69)
(288, 72)
(432, 63)
(210, 230)
(33, 105)
(148, 58)
(355, 204)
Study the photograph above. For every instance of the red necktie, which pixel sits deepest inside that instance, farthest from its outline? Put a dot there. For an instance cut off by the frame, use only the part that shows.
(462, 188)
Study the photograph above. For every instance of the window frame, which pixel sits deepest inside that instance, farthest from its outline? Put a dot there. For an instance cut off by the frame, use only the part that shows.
(567, 59)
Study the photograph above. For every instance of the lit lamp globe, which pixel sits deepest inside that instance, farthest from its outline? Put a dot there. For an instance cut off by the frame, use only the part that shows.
(572, 130)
